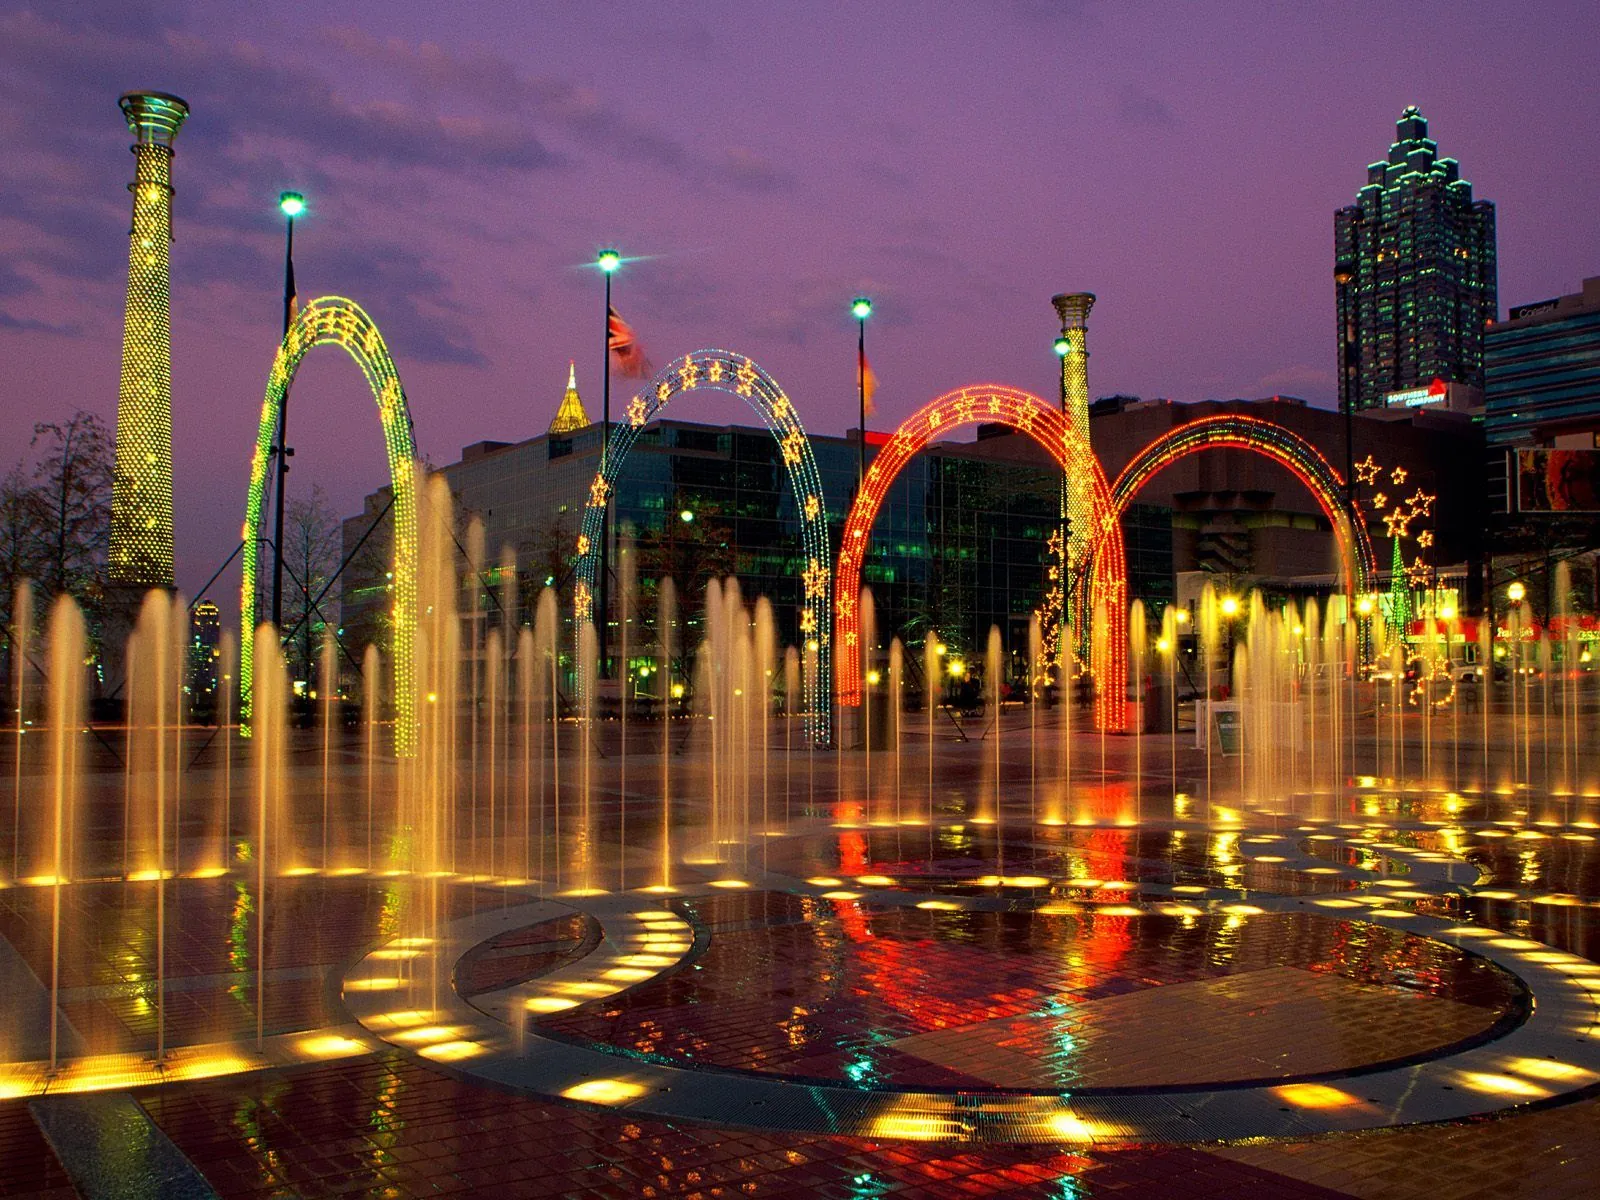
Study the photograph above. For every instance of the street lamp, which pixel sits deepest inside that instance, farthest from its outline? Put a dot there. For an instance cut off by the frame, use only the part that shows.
(1063, 346)
(861, 309)
(609, 262)
(1516, 592)
(291, 205)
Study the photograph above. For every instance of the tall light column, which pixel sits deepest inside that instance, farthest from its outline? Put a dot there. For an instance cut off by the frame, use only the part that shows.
(1073, 308)
(141, 490)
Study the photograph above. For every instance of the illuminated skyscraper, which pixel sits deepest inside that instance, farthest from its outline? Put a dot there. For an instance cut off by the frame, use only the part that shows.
(1414, 266)
(141, 492)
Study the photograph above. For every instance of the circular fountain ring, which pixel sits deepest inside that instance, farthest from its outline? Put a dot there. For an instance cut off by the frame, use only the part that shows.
(1554, 1053)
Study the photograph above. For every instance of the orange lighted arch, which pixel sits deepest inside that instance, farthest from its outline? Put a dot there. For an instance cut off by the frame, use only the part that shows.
(1026, 413)
(1236, 431)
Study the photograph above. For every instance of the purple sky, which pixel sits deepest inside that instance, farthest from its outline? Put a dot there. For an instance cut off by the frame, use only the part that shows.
(959, 161)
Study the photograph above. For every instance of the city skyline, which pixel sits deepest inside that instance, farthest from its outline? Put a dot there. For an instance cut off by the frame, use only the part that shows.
(468, 239)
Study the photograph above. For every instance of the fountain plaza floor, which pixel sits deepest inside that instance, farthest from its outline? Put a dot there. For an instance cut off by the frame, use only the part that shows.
(1393, 997)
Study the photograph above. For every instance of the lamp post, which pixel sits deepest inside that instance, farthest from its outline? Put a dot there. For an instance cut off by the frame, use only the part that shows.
(291, 205)
(861, 309)
(608, 261)
(1342, 278)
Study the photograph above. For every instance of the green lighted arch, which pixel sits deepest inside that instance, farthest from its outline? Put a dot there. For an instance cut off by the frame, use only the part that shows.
(335, 321)
(729, 372)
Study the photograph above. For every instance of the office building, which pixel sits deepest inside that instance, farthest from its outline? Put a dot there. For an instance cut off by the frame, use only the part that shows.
(1414, 273)
(1542, 373)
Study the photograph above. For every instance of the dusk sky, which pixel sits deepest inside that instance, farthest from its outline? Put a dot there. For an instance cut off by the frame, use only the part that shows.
(958, 161)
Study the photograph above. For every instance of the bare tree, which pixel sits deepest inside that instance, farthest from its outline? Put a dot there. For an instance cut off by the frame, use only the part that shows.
(21, 550)
(314, 536)
(21, 543)
(545, 557)
(72, 482)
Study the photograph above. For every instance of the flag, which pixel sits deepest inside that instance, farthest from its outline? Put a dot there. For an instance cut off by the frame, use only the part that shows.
(867, 382)
(292, 292)
(625, 348)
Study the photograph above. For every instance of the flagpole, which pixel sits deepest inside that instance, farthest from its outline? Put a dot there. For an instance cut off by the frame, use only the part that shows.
(291, 204)
(608, 261)
(861, 308)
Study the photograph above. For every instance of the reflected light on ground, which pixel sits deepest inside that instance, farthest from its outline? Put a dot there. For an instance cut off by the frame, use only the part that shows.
(1314, 1095)
(604, 1091)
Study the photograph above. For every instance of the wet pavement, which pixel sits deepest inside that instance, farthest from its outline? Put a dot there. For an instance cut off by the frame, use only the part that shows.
(1066, 967)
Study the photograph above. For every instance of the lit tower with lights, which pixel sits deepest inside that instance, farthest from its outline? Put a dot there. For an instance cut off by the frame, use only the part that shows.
(141, 491)
(1072, 347)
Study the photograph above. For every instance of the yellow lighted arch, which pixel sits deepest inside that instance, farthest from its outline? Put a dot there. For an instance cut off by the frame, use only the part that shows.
(333, 320)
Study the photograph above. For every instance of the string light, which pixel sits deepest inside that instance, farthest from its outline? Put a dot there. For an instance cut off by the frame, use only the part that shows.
(1105, 561)
(729, 372)
(335, 321)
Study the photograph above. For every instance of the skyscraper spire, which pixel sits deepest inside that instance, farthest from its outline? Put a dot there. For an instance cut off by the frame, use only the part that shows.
(141, 489)
(570, 416)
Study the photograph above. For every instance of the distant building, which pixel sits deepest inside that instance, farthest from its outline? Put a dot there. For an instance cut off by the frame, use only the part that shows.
(1414, 269)
(1542, 373)
(205, 653)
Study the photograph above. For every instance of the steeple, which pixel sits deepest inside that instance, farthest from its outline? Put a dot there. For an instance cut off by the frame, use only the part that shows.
(571, 417)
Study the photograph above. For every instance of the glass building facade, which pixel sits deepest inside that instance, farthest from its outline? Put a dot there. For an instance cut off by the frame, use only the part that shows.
(1414, 270)
(1542, 371)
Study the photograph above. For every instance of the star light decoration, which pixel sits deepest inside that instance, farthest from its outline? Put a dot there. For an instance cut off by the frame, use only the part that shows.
(1398, 518)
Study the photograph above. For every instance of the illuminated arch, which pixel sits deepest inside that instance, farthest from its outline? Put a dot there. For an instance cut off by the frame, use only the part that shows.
(1235, 431)
(333, 320)
(1045, 424)
(729, 372)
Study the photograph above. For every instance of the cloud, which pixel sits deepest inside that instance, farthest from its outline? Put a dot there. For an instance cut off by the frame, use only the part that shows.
(748, 170)
(30, 325)
(13, 282)
(1076, 11)
(1299, 380)
(438, 74)
(410, 301)
(1139, 108)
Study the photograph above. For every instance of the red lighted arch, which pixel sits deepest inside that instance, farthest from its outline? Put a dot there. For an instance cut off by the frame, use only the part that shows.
(1045, 424)
(1236, 431)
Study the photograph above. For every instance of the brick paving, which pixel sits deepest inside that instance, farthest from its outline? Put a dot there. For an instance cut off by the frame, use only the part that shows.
(822, 987)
